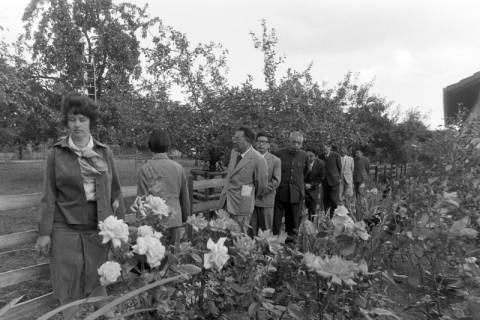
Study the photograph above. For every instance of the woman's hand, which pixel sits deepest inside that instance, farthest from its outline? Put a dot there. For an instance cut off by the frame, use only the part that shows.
(115, 205)
(43, 245)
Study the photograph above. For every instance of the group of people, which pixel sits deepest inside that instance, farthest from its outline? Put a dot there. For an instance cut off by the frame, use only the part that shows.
(82, 188)
(268, 190)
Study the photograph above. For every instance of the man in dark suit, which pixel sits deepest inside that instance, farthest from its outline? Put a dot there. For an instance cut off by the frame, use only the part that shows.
(333, 171)
(361, 169)
(291, 192)
(313, 179)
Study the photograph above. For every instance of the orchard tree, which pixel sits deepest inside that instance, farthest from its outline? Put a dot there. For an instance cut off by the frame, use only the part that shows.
(198, 70)
(24, 115)
(267, 44)
(82, 43)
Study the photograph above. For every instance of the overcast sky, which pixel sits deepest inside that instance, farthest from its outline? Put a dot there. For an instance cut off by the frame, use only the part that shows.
(412, 49)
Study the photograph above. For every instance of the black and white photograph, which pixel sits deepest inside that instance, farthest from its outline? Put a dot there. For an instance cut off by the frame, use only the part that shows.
(239, 160)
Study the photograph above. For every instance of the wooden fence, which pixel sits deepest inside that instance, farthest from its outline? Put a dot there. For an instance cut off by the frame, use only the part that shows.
(42, 270)
(206, 198)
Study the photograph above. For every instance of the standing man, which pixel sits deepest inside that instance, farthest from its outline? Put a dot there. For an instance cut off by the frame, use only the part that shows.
(346, 182)
(291, 192)
(333, 170)
(263, 213)
(360, 177)
(313, 179)
(246, 178)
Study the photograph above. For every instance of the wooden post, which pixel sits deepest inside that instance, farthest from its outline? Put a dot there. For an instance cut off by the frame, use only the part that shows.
(188, 227)
(376, 174)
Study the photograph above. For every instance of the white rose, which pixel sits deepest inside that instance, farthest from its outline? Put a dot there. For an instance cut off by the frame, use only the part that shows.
(109, 272)
(147, 231)
(157, 205)
(113, 229)
(342, 221)
(341, 211)
(152, 248)
(218, 255)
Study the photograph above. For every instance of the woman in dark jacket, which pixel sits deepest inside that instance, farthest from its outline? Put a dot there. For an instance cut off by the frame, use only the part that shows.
(81, 188)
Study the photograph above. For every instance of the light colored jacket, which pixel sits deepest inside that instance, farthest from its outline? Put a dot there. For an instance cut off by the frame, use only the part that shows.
(245, 181)
(347, 169)
(165, 178)
(274, 167)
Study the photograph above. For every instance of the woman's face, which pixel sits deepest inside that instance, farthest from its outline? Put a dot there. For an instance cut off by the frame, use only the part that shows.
(78, 125)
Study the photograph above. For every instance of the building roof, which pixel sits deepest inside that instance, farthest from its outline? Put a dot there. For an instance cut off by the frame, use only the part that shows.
(464, 93)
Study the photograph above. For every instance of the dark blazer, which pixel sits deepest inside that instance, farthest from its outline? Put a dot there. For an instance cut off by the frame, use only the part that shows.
(360, 169)
(64, 198)
(315, 177)
(333, 168)
(294, 170)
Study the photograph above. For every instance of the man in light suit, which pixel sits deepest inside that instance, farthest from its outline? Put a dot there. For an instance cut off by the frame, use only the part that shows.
(333, 172)
(262, 216)
(246, 178)
(346, 182)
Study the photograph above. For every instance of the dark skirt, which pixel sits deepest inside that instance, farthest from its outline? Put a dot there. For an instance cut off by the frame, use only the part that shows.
(77, 253)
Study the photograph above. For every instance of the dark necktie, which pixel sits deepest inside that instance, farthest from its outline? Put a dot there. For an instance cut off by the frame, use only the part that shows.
(239, 157)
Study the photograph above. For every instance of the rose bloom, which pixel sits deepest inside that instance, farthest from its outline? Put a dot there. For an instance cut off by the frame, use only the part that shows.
(218, 255)
(109, 272)
(342, 221)
(359, 229)
(274, 242)
(308, 228)
(157, 205)
(244, 244)
(336, 268)
(147, 231)
(152, 248)
(224, 222)
(198, 222)
(113, 229)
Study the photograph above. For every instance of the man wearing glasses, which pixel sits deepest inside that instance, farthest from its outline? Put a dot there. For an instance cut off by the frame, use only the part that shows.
(262, 217)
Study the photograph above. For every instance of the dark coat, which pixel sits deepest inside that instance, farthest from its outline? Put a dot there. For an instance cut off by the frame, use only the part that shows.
(361, 169)
(294, 170)
(315, 177)
(64, 198)
(333, 168)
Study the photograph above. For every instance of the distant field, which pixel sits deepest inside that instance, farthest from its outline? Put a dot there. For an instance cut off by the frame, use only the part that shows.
(19, 177)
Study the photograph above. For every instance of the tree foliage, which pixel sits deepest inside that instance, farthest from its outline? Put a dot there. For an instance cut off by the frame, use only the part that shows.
(78, 43)
(66, 38)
